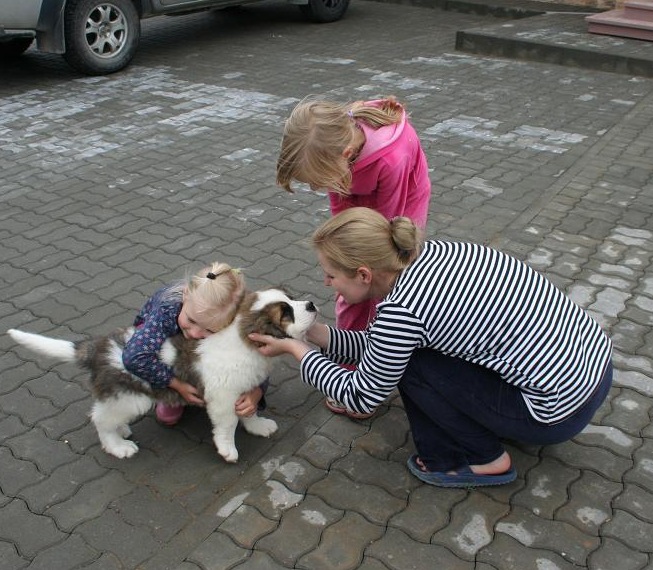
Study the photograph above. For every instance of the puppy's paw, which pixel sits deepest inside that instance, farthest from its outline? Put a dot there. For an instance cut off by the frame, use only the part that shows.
(227, 449)
(263, 427)
(122, 450)
(229, 454)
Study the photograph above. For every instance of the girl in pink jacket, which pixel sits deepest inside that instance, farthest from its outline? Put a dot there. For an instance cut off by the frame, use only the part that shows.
(362, 154)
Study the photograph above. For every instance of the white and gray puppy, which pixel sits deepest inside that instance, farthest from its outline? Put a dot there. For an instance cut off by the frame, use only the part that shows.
(223, 366)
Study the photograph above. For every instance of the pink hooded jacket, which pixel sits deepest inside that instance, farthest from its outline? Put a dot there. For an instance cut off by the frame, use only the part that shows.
(390, 175)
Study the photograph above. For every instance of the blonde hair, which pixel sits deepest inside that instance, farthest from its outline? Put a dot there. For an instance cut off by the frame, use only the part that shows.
(362, 237)
(316, 135)
(216, 291)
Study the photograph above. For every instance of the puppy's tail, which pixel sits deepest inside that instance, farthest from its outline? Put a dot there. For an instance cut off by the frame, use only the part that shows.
(63, 350)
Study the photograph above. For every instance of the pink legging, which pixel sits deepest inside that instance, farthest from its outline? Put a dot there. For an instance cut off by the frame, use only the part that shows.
(354, 317)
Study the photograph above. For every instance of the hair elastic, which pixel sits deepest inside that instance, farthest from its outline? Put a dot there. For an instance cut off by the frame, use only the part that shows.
(211, 275)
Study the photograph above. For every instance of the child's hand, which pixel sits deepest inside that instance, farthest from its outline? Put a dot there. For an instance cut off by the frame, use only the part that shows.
(187, 391)
(247, 404)
(271, 346)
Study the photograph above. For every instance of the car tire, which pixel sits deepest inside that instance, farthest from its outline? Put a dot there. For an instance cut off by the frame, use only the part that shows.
(101, 35)
(324, 11)
(14, 48)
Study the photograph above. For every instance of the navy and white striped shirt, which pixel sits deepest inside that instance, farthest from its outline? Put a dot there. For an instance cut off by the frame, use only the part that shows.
(478, 304)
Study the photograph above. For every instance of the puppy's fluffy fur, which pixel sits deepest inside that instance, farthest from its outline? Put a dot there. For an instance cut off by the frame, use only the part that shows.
(224, 366)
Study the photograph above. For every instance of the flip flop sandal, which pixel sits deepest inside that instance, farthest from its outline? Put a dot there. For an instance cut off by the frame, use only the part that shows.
(464, 477)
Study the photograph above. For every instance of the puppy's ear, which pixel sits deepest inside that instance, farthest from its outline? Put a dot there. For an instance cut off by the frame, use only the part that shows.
(266, 321)
(262, 326)
(265, 326)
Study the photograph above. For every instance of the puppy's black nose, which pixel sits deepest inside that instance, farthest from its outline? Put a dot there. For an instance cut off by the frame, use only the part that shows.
(310, 307)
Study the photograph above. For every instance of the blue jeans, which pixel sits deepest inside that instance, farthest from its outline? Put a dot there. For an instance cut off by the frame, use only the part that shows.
(459, 412)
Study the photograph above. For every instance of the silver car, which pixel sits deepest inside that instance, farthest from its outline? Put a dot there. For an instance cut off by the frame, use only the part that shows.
(101, 36)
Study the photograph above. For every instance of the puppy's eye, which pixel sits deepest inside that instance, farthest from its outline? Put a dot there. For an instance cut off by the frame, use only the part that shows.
(287, 312)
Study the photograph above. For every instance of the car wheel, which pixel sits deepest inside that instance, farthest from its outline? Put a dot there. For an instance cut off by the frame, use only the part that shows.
(14, 48)
(324, 11)
(101, 35)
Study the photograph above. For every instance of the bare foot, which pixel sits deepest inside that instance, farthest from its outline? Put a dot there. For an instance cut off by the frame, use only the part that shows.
(500, 465)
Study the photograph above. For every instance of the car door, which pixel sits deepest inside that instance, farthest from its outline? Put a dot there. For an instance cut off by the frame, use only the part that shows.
(19, 14)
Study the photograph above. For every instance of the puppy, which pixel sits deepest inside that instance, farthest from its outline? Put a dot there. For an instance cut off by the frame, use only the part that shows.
(223, 366)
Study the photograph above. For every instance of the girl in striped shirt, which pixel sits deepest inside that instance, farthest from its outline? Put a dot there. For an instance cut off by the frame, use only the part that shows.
(481, 347)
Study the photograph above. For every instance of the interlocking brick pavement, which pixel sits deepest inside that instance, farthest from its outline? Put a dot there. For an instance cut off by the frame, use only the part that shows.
(114, 185)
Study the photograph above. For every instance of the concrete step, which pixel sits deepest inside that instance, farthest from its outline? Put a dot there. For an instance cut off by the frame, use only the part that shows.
(545, 32)
(559, 38)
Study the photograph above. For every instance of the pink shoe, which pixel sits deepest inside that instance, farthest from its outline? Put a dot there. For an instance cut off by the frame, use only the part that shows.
(169, 415)
(337, 408)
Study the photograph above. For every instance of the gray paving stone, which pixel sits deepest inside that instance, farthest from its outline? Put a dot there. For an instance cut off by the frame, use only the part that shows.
(291, 397)
(389, 432)
(428, 511)
(647, 432)
(61, 484)
(296, 474)
(273, 498)
(320, 451)
(29, 533)
(391, 476)
(71, 418)
(10, 557)
(259, 561)
(631, 530)
(343, 544)
(590, 503)
(635, 380)
(144, 508)
(596, 459)
(547, 488)
(343, 431)
(537, 532)
(629, 412)
(11, 426)
(16, 473)
(45, 453)
(615, 554)
(374, 503)
(397, 551)
(642, 472)
(472, 522)
(505, 554)
(301, 530)
(218, 551)
(59, 392)
(111, 533)
(83, 439)
(246, 526)
(636, 501)
(609, 437)
(70, 553)
(90, 501)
